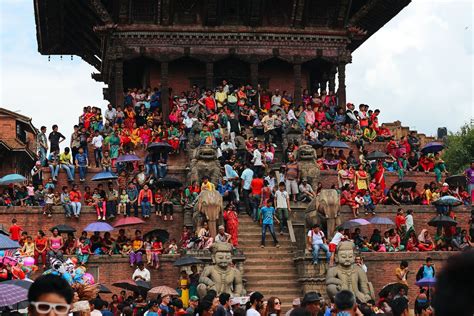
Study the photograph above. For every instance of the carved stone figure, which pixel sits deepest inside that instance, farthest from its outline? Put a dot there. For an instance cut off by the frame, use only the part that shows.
(309, 169)
(348, 276)
(204, 162)
(209, 203)
(324, 208)
(193, 138)
(221, 277)
(292, 134)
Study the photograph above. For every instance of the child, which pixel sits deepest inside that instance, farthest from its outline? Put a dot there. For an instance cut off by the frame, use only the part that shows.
(88, 196)
(156, 249)
(158, 202)
(173, 247)
(147, 246)
(106, 162)
(49, 202)
(368, 204)
(167, 205)
(31, 193)
(124, 202)
(83, 250)
(28, 249)
(56, 199)
(359, 201)
(126, 249)
(49, 184)
(39, 195)
(99, 204)
(282, 199)
(66, 202)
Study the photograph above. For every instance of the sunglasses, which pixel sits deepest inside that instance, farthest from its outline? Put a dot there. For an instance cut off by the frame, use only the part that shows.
(277, 303)
(45, 308)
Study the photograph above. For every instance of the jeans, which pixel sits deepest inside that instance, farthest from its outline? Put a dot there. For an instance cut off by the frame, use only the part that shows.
(146, 208)
(42, 156)
(69, 170)
(162, 170)
(54, 171)
(111, 207)
(76, 208)
(246, 199)
(68, 209)
(315, 252)
(82, 172)
(149, 168)
(97, 156)
(272, 232)
(255, 202)
(282, 215)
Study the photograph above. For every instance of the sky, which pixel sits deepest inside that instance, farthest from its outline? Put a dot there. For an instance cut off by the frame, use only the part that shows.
(417, 69)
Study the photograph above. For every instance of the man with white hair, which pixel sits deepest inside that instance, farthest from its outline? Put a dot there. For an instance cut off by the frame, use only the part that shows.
(222, 236)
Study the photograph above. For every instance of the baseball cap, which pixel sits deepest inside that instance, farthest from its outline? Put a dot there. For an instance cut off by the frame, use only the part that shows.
(194, 298)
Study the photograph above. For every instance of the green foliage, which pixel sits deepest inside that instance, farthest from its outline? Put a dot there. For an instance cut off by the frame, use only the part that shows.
(460, 149)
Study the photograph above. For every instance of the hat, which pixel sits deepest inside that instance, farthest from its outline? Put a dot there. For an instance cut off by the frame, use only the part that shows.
(221, 227)
(311, 297)
(296, 302)
(194, 298)
(224, 179)
(445, 185)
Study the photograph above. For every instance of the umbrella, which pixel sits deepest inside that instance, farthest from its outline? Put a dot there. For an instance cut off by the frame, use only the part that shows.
(21, 283)
(104, 176)
(159, 147)
(168, 182)
(104, 289)
(143, 286)
(432, 147)
(355, 223)
(128, 158)
(128, 221)
(186, 261)
(393, 288)
(63, 228)
(336, 144)
(161, 234)
(375, 155)
(405, 184)
(426, 282)
(442, 220)
(3, 231)
(12, 178)
(316, 143)
(457, 180)
(11, 294)
(163, 290)
(448, 200)
(127, 285)
(6, 243)
(98, 227)
(377, 220)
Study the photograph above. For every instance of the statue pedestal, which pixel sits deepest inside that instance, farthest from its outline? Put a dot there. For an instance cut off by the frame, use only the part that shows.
(312, 277)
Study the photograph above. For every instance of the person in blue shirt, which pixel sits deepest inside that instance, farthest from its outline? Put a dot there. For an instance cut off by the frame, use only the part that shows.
(268, 213)
(82, 163)
(225, 189)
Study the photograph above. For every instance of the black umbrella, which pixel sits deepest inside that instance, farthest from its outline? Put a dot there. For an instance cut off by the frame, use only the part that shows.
(104, 289)
(376, 155)
(161, 234)
(186, 261)
(393, 288)
(138, 286)
(168, 182)
(160, 147)
(143, 286)
(457, 180)
(63, 228)
(405, 184)
(442, 220)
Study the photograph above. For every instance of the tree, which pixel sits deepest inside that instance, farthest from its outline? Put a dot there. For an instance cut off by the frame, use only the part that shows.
(459, 149)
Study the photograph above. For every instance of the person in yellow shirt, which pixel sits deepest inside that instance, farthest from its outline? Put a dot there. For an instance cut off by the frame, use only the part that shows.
(207, 185)
(65, 159)
(221, 97)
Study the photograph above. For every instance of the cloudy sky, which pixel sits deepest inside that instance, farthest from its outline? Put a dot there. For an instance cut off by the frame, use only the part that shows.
(418, 69)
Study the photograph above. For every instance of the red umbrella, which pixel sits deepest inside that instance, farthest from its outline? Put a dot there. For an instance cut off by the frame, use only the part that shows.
(128, 221)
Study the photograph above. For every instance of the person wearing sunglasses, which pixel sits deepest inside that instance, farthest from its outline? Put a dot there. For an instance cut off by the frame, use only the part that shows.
(50, 295)
(274, 306)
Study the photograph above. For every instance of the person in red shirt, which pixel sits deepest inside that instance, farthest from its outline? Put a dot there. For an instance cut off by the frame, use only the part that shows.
(15, 231)
(256, 187)
(400, 222)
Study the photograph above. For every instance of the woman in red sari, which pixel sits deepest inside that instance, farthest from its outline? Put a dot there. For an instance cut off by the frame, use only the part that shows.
(232, 224)
(379, 176)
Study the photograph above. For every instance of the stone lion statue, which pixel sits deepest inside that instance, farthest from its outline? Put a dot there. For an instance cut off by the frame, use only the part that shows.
(324, 208)
(293, 134)
(309, 169)
(204, 163)
(193, 138)
(348, 276)
(210, 207)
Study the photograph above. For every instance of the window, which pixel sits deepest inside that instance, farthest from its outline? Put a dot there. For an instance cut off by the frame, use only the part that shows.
(20, 132)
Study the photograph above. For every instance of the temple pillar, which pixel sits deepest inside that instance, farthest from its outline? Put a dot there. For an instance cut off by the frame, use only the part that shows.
(332, 78)
(341, 89)
(209, 75)
(165, 98)
(118, 84)
(297, 89)
(254, 74)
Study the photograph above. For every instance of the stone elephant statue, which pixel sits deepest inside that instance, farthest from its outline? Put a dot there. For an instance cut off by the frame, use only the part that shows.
(325, 208)
(210, 205)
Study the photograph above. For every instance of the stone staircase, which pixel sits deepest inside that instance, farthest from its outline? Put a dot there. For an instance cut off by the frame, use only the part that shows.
(269, 270)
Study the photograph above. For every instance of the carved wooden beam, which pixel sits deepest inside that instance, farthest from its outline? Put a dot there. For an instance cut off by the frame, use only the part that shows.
(99, 9)
(298, 13)
(212, 12)
(344, 8)
(363, 11)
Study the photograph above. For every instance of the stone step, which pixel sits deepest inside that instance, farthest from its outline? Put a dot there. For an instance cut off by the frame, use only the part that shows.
(277, 270)
(262, 252)
(256, 276)
(276, 291)
(282, 282)
(269, 264)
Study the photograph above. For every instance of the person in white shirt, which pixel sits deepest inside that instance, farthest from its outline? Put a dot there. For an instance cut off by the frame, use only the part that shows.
(316, 240)
(141, 273)
(247, 176)
(256, 303)
(306, 190)
(282, 206)
(334, 242)
(97, 142)
(276, 99)
(409, 221)
(227, 148)
(110, 114)
(188, 122)
(257, 160)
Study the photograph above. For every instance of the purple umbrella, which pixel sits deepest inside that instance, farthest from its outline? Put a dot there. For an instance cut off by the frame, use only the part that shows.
(381, 221)
(428, 281)
(11, 294)
(128, 158)
(432, 147)
(6, 243)
(355, 223)
(98, 227)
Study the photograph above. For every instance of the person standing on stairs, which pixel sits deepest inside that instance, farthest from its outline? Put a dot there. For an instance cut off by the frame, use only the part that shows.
(268, 214)
(282, 206)
(247, 176)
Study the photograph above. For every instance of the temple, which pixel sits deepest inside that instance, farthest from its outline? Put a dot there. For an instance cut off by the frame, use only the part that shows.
(291, 45)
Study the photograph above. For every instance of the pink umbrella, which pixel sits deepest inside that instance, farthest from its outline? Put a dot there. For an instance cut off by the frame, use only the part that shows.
(128, 221)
